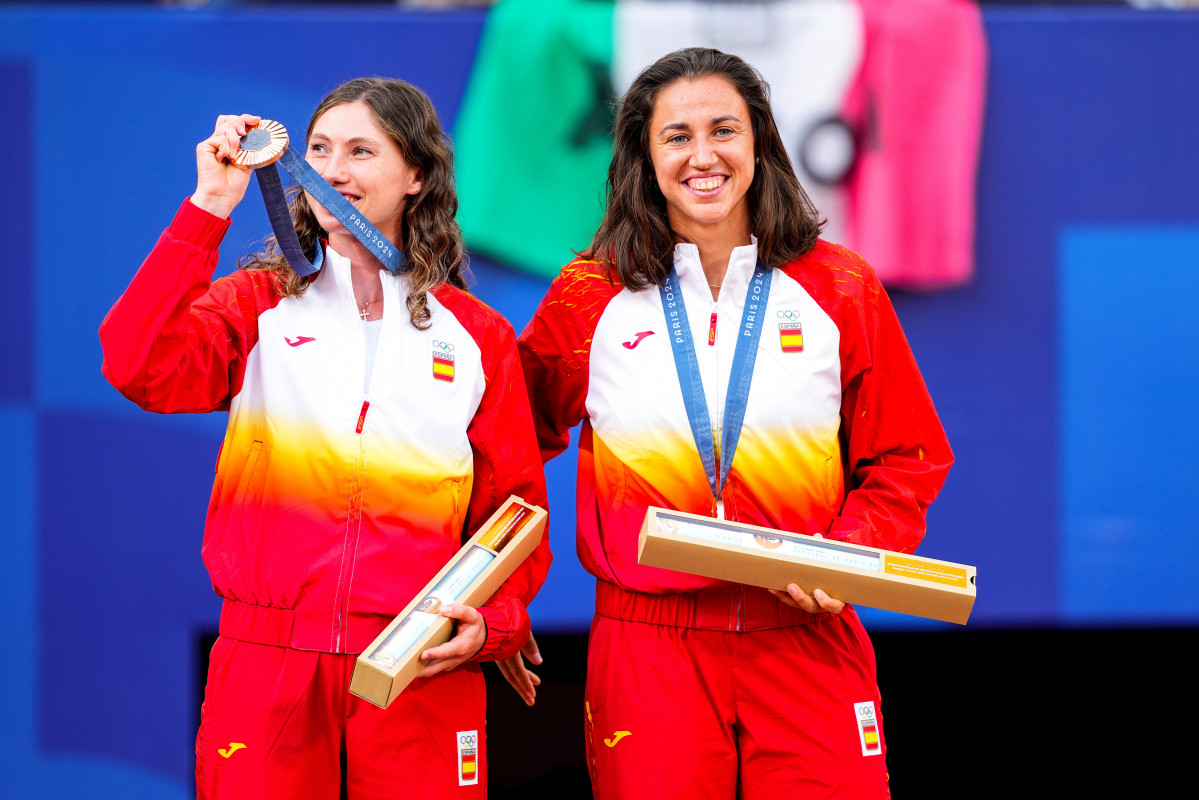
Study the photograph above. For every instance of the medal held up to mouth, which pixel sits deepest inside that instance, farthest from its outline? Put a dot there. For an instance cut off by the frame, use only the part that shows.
(267, 144)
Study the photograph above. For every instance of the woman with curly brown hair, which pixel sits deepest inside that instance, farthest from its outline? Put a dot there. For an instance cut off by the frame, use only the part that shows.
(374, 417)
(725, 361)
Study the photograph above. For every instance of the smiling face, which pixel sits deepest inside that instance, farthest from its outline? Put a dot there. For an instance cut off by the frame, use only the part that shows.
(349, 150)
(701, 144)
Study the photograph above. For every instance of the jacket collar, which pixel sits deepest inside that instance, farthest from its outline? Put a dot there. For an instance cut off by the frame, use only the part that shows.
(334, 279)
(741, 267)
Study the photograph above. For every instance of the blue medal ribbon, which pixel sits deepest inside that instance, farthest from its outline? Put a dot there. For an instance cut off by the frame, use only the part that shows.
(320, 190)
(687, 366)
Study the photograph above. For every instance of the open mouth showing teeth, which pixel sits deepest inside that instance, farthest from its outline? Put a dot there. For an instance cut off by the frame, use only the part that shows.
(705, 184)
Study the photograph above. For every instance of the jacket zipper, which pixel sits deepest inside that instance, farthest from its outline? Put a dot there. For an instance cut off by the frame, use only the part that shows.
(736, 609)
(353, 523)
(717, 425)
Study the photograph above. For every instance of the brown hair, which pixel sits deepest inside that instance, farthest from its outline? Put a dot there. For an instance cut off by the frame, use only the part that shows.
(431, 239)
(634, 237)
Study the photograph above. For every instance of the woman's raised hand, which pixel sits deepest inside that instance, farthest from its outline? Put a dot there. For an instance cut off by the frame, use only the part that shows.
(221, 184)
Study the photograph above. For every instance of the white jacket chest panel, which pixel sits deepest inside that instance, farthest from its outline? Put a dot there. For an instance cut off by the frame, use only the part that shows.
(636, 405)
(307, 374)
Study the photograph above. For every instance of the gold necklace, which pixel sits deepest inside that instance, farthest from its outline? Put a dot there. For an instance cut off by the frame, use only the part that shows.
(363, 308)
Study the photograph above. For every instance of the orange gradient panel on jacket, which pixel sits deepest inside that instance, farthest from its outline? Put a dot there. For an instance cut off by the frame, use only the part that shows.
(271, 492)
(302, 457)
(651, 467)
(666, 479)
(800, 478)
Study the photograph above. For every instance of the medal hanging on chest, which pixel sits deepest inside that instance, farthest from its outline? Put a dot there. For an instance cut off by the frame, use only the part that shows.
(740, 377)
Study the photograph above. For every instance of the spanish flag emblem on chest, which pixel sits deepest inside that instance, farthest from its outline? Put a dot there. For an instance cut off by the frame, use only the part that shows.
(443, 361)
(791, 337)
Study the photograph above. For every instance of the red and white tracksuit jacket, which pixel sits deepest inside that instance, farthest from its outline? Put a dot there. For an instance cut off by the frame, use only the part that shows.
(332, 507)
(840, 438)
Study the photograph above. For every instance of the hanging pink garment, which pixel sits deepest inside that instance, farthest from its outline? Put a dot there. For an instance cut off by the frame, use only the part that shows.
(918, 103)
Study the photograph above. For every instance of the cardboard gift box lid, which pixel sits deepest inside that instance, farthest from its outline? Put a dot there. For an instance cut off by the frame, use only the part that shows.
(471, 577)
(750, 554)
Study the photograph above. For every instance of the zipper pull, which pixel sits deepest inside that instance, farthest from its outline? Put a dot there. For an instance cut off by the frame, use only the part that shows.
(362, 416)
(712, 331)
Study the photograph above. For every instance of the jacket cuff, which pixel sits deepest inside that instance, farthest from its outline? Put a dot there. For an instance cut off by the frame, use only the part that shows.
(193, 225)
(850, 530)
(508, 629)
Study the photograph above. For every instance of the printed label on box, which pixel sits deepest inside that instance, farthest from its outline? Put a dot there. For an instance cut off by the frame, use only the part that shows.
(922, 570)
(826, 552)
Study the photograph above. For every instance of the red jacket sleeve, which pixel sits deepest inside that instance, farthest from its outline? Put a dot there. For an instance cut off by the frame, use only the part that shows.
(555, 349)
(896, 452)
(175, 342)
(506, 463)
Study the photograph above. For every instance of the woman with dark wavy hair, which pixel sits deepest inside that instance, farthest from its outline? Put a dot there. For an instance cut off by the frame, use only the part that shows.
(725, 361)
(374, 419)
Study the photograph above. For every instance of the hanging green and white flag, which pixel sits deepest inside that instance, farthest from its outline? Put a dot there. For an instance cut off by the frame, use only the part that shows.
(878, 102)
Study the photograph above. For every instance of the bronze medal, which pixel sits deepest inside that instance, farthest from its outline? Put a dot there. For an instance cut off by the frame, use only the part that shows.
(262, 145)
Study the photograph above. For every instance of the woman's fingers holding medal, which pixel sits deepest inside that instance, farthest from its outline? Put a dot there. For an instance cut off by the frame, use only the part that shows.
(814, 603)
(221, 184)
(229, 130)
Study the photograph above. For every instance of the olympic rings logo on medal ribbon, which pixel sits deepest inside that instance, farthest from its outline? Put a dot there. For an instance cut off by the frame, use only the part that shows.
(467, 741)
(787, 314)
(444, 347)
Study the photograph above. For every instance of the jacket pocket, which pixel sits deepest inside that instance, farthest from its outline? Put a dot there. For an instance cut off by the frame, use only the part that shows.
(247, 500)
(458, 520)
(833, 482)
(236, 475)
(234, 515)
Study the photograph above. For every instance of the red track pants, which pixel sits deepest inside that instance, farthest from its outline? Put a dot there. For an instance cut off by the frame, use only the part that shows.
(686, 712)
(276, 721)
